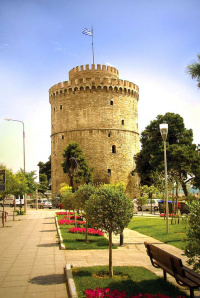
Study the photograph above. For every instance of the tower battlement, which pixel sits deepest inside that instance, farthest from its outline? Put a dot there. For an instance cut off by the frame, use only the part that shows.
(83, 78)
(93, 71)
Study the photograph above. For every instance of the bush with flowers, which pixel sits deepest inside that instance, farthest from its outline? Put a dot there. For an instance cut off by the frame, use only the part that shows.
(91, 231)
(106, 292)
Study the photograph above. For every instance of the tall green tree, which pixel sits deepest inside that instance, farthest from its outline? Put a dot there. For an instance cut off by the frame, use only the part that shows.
(194, 70)
(110, 210)
(45, 169)
(182, 156)
(75, 165)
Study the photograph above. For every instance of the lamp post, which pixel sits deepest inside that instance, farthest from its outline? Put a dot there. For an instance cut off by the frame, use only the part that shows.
(164, 131)
(7, 119)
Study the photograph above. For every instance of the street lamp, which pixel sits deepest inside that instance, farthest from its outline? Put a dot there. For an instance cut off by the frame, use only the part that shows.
(7, 119)
(164, 131)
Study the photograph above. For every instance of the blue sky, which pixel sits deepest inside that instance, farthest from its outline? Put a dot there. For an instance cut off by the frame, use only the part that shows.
(149, 42)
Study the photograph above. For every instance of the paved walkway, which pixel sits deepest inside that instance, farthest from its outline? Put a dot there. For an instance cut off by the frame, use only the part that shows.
(31, 264)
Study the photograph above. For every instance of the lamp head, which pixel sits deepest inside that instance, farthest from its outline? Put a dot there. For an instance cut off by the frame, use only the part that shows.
(164, 130)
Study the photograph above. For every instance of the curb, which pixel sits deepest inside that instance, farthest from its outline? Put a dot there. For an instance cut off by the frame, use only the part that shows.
(62, 247)
(70, 282)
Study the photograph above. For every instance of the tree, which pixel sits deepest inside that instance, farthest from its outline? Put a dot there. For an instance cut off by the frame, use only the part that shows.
(192, 248)
(10, 181)
(75, 165)
(43, 185)
(83, 194)
(110, 210)
(45, 169)
(194, 70)
(182, 155)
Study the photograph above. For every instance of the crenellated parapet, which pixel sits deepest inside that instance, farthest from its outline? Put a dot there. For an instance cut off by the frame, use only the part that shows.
(93, 71)
(85, 79)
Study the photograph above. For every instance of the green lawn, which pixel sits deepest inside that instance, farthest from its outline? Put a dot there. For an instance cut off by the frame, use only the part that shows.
(77, 241)
(132, 280)
(156, 228)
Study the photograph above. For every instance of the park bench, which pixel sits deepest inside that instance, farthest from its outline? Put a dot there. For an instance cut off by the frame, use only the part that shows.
(173, 265)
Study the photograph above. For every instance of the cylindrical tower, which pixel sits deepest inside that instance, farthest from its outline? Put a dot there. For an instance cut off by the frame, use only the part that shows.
(99, 111)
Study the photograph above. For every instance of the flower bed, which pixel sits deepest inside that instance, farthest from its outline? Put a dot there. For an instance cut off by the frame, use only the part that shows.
(70, 222)
(170, 215)
(106, 292)
(91, 231)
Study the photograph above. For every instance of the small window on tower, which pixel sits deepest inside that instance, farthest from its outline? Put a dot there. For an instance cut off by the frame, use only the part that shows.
(109, 134)
(62, 137)
(113, 149)
(60, 107)
(122, 121)
(109, 172)
(111, 102)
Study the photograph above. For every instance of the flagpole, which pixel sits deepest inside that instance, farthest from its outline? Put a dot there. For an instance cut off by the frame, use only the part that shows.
(92, 45)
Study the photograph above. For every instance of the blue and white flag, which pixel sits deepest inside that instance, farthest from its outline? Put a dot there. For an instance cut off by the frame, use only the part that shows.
(87, 32)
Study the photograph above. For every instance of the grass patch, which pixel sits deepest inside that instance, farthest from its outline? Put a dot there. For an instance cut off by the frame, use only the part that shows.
(156, 228)
(73, 241)
(132, 280)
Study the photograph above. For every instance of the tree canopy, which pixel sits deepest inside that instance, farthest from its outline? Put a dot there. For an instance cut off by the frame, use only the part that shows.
(45, 169)
(194, 70)
(182, 157)
(75, 165)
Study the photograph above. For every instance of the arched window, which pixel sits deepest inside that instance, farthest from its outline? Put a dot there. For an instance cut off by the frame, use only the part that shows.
(109, 172)
(113, 149)
(111, 102)
(122, 121)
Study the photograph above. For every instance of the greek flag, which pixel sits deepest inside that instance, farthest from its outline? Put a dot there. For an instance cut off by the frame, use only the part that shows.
(87, 32)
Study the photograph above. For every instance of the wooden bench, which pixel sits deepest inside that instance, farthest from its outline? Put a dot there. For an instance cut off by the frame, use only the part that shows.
(173, 265)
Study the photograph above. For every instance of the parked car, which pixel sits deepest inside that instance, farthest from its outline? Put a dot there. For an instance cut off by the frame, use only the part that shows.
(170, 205)
(42, 203)
(184, 208)
(7, 202)
(147, 206)
(56, 201)
(60, 206)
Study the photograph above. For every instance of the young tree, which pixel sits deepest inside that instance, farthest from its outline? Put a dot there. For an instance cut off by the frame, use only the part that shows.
(194, 70)
(181, 153)
(83, 194)
(192, 249)
(109, 210)
(75, 165)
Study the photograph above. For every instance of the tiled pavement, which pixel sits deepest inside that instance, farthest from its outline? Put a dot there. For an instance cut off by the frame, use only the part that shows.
(31, 264)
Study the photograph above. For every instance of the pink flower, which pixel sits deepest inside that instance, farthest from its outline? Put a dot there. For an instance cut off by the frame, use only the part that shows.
(106, 292)
(91, 231)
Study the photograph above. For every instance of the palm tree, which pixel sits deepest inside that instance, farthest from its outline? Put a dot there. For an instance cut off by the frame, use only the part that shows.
(194, 71)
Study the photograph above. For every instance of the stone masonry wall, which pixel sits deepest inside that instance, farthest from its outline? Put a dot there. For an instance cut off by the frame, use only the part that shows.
(99, 111)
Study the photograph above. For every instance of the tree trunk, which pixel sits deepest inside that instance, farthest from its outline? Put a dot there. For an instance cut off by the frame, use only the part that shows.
(86, 229)
(110, 255)
(184, 188)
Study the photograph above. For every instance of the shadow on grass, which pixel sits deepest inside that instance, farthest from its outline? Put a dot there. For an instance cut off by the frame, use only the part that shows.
(50, 279)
